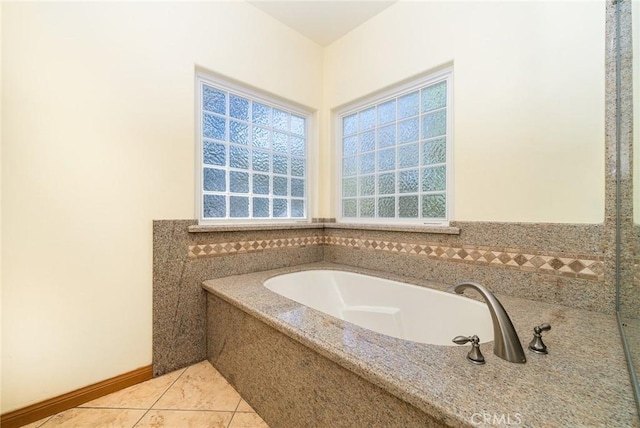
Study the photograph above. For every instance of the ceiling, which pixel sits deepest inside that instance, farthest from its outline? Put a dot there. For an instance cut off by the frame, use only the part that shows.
(322, 21)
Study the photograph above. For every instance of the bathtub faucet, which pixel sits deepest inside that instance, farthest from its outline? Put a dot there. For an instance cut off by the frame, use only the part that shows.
(506, 343)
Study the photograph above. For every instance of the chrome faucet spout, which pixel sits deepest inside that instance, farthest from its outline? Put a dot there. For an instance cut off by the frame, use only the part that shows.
(506, 343)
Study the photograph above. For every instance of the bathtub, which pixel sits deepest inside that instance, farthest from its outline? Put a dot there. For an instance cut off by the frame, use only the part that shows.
(396, 309)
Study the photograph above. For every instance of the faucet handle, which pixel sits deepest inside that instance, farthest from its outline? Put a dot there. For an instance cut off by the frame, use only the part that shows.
(542, 327)
(461, 340)
(474, 355)
(537, 345)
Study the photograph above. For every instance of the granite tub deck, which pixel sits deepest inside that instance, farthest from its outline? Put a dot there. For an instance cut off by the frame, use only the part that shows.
(582, 382)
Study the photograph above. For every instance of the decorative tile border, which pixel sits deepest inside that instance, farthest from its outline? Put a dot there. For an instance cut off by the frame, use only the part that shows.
(227, 248)
(583, 266)
(573, 265)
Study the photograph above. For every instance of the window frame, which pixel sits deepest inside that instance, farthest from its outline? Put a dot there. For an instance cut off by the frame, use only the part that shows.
(380, 97)
(254, 95)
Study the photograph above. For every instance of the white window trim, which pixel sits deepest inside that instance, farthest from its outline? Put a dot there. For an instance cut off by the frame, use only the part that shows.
(254, 94)
(380, 97)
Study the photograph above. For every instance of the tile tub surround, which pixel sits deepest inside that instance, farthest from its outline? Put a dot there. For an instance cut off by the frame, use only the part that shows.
(556, 263)
(179, 304)
(582, 382)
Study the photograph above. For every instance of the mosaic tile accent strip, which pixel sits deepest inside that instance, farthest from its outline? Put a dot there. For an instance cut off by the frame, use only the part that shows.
(573, 265)
(228, 248)
(585, 266)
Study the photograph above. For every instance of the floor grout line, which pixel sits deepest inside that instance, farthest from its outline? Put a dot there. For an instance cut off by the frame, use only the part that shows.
(239, 401)
(194, 410)
(231, 420)
(237, 405)
(48, 419)
(161, 395)
(109, 408)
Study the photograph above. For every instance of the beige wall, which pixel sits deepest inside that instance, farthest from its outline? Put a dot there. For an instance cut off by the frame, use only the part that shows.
(98, 108)
(528, 99)
(1, 358)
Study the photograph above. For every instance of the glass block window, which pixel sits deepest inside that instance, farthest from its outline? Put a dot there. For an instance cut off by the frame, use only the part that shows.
(253, 156)
(394, 154)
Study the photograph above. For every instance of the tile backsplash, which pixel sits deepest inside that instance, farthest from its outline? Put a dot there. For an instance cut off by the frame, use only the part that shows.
(585, 266)
(214, 249)
(556, 263)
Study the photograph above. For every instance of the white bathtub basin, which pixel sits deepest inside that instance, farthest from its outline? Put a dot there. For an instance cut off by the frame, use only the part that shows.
(393, 308)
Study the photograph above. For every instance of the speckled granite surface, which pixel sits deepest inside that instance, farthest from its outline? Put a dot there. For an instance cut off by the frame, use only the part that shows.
(183, 259)
(582, 382)
(290, 385)
(179, 304)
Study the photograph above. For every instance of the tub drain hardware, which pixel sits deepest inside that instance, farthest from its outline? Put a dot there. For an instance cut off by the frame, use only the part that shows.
(537, 345)
(474, 355)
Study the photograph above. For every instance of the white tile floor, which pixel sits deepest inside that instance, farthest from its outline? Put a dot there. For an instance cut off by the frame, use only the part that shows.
(194, 397)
